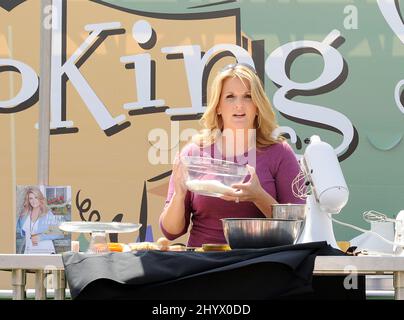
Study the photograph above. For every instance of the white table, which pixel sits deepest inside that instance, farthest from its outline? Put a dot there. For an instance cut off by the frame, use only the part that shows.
(364, 265)
(42, 265)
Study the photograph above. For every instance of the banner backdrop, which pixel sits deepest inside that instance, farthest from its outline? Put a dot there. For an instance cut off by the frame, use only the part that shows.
(129, 84)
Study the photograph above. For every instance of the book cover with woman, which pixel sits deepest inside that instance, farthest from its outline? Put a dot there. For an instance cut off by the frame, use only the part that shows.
(38, 218)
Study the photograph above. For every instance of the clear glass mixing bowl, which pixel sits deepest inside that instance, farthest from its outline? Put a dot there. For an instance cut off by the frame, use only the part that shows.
(212, 177)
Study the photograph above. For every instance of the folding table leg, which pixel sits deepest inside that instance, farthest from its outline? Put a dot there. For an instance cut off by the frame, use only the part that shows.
(59, 284)
(18, 281)
(40, 291)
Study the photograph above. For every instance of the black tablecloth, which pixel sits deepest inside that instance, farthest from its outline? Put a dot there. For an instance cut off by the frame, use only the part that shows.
(284, 272)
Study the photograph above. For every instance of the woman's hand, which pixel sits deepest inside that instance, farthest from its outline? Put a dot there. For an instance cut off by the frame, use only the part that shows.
(35, 239)
(178, 174)
(249, 191)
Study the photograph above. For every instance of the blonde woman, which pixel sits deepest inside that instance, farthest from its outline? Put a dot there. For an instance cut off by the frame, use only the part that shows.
(34, 223)
(238, 125)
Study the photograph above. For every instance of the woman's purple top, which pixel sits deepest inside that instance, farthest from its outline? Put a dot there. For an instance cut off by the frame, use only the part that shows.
(276, 167)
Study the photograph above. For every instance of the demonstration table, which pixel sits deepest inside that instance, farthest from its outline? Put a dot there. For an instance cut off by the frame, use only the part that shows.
(20, 264)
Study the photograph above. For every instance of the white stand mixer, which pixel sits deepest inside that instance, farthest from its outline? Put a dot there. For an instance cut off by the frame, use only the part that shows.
(329, 191)
(329, 194)
(399, 234)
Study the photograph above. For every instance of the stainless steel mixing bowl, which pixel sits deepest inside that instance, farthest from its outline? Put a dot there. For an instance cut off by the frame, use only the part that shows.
(289, 211)
(261, 232)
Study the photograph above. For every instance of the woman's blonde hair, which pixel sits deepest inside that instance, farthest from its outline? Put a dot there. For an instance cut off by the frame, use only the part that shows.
(42, 200)
(265, 121)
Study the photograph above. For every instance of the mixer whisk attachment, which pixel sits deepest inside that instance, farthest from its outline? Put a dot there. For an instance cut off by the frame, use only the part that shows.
(375, 216)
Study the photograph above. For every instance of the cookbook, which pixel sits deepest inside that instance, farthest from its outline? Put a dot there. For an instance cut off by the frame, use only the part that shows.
(39, 212)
